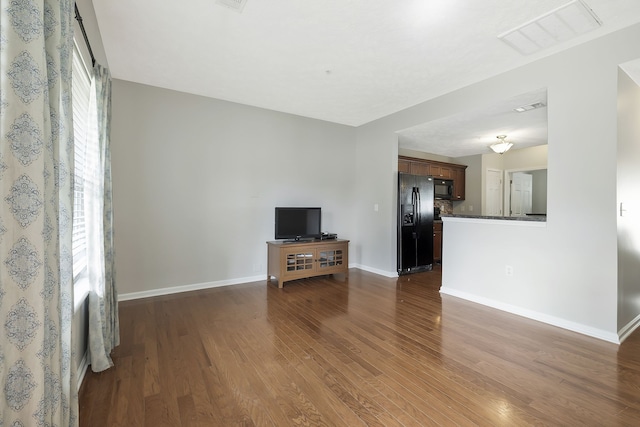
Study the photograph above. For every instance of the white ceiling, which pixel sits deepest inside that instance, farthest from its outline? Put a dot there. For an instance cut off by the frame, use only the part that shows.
(343, 61)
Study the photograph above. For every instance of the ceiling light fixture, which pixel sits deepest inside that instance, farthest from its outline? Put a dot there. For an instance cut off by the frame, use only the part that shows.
(561, 24)
(502, 146)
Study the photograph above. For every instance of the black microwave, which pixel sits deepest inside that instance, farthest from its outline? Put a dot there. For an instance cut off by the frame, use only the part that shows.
(443, 188)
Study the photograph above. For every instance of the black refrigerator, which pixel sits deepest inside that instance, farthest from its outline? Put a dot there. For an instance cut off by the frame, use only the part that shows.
(415, 223)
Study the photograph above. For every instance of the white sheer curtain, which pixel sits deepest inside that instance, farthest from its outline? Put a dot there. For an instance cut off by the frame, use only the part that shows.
(103, 300)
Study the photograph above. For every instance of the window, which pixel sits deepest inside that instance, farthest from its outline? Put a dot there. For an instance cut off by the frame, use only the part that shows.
(81, 86)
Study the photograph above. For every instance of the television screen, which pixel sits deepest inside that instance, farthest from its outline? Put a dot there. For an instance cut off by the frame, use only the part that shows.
(297, 223)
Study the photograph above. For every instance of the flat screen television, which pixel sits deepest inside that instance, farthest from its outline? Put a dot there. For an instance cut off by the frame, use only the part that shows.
(298, 223)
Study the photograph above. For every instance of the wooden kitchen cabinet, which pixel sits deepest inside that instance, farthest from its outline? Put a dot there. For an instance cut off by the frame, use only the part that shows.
(459, 183)
(418, 168)
(414, 168)
(440, 171)
(404, 166)
(437, 242)
(457, 173)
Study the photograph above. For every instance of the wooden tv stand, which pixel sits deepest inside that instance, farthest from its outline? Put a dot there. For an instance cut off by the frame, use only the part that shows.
(298, 260)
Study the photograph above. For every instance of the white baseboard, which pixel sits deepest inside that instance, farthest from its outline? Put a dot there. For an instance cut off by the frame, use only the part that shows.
(535, 315)
(187, 288)
(629, 328)
(82, 369)
(239, 281)
(390, 274)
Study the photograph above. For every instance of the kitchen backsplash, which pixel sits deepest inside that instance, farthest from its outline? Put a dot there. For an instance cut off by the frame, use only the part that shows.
(446, 206)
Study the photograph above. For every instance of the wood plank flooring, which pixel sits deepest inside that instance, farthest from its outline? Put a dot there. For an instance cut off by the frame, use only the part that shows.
(362, 351)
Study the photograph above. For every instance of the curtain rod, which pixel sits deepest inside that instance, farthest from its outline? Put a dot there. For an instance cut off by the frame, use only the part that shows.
(84, 34)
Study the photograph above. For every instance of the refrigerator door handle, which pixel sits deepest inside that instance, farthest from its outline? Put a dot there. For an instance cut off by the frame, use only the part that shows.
(414, 200)
(418, 201)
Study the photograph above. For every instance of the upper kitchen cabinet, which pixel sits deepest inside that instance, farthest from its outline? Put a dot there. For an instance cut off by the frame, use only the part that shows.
(404, 166)
(459, 182)
(419, 168)
(416, 166)
(440, 171)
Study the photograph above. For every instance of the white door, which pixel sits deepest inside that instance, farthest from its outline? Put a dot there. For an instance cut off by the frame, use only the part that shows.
(494, 192)
(521, 193)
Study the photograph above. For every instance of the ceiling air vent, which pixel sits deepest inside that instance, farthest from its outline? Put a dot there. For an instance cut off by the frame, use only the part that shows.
(529, 107)
(236, 5)
(563, 23)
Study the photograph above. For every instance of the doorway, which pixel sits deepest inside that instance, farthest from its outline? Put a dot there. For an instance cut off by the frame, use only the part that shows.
(525, 192)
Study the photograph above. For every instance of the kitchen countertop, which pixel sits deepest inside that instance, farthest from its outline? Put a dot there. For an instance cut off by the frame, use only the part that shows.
(533, 218)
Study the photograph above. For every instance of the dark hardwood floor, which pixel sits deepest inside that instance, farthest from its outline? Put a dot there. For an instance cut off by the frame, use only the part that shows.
(363, 351)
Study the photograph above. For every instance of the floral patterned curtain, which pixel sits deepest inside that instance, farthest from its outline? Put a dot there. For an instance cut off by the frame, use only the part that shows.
(37, 371)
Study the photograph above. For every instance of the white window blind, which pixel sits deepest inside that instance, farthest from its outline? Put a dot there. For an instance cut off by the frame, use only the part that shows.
(81, 85)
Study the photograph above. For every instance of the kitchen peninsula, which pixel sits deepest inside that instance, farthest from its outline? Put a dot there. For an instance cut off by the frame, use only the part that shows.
(496, 261)
(528, 218)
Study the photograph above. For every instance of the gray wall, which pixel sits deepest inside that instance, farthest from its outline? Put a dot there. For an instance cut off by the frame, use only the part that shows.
(196, 180)
(628, 185)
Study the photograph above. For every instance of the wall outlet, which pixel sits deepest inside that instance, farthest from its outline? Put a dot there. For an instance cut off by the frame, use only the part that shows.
(470, 208)
(375, 207)
(508, 270)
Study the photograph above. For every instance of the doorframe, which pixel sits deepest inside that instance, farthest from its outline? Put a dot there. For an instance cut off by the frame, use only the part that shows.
(506, 189)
